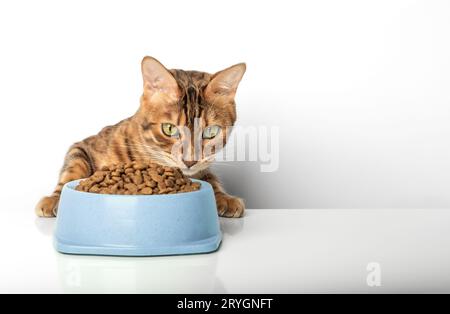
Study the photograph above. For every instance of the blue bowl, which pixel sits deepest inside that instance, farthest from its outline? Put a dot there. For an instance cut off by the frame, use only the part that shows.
(137, 225)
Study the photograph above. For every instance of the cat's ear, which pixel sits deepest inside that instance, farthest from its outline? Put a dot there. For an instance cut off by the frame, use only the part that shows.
(226, 82)
(157, 79)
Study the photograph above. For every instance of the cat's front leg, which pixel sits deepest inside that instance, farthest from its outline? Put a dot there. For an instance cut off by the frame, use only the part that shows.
(77, 165)
(227, 205)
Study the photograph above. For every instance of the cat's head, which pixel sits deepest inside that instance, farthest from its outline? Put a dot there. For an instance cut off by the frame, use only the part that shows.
(186, 116)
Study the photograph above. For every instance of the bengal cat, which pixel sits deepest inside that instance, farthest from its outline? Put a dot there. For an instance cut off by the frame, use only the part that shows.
(175, 104)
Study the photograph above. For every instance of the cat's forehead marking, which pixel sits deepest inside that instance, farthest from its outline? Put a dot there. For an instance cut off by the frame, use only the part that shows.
(181, 118)
(193, 105)
(192, 85)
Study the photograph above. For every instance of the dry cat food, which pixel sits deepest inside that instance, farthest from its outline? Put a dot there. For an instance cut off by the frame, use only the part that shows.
(138, 179)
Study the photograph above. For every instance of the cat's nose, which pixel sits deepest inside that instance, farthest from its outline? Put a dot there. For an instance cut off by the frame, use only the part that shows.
(189, 164)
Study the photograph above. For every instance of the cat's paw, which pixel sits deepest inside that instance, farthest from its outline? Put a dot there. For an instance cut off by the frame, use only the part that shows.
(229, 206)
(47, 206)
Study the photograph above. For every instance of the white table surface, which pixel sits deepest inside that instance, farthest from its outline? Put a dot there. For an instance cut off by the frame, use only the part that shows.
(269, 251)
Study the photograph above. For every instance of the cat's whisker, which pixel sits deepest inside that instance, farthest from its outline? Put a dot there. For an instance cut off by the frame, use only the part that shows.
(162, 157)
(144, 153)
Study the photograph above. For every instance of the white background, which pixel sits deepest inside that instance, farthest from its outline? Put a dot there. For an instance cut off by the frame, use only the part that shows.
(359, 89)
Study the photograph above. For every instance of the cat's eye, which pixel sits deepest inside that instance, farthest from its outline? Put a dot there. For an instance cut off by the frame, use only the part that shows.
(170, 130)
(211, 131)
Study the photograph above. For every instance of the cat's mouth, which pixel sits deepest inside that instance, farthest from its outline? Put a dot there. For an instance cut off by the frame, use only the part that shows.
(189, 172)
(192, 170)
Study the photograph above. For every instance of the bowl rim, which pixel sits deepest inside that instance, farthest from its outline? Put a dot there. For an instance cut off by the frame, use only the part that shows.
(70, 186)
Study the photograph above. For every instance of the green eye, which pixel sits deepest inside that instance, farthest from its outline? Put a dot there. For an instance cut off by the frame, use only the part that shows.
(211, 131)
(170, 130)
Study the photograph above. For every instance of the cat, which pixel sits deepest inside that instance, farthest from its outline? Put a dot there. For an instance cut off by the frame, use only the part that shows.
(172, 101)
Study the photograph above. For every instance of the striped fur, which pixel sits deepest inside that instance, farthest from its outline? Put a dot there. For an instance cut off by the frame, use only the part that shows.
(190, 100)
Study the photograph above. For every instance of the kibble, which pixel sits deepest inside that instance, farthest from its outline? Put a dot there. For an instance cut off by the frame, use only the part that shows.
(138, 179)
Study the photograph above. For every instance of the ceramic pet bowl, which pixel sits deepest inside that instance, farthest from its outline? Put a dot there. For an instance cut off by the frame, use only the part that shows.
(137, 225)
